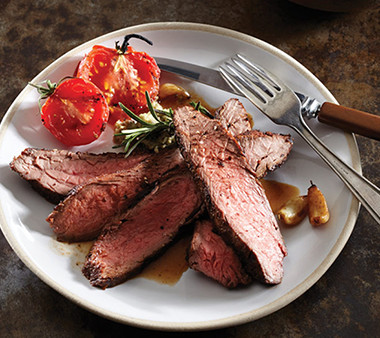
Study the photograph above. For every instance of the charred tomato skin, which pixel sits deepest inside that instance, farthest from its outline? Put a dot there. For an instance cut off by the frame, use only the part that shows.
(76, 112)
(122, 77)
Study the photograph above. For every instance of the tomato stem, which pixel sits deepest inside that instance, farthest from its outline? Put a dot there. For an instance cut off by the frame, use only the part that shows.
(124, 46)
(45, 91)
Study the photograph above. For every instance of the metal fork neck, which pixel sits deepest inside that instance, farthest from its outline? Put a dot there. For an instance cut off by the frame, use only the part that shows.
(310, 108)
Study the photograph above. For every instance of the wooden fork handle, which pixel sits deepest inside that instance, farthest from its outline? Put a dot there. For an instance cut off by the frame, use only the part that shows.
(349, 119)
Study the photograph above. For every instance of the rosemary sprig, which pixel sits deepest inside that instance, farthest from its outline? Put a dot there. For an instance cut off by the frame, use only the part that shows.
(133, 137)
(200, 108)
(147, 130)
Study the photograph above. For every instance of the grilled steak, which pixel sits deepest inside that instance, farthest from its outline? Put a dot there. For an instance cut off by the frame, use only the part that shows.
(147, 228)
(234, 197)
(233, 117)
(53, 173)
(210, 255)
(101, 201)
(264, 151)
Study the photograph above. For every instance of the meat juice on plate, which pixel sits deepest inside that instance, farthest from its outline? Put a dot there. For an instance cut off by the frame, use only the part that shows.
(76, 251)
(169, 268)
(278, 193)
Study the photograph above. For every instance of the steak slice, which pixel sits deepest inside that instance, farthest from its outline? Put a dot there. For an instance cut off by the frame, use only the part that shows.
(233, 117)
(101, 201)
(53, 173)
(264, 151)
(146, 230)
(235, 199)
(210, 255)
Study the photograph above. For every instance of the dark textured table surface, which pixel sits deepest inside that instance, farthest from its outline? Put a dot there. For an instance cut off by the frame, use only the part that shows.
(341, 49)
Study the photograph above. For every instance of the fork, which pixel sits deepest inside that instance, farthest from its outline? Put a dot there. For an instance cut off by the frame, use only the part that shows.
(278, 102)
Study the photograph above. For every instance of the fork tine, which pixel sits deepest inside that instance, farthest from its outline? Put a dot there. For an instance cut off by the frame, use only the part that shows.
(259, 72)
(246, 82)
(239, 83)
(251, 83)
(254, 77)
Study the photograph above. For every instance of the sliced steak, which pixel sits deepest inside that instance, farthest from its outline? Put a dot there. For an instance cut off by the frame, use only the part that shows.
(101, 201)
(148, 228)
(210, 255)
(233, 117)
(53, 173)
(235, 199)
(264, 151)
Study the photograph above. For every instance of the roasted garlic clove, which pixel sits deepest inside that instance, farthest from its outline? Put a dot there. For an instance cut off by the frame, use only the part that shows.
(318, 210)
(293, 211)
(169, 89)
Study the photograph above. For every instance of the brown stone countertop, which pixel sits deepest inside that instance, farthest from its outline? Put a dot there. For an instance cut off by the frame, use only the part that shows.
(341, 49)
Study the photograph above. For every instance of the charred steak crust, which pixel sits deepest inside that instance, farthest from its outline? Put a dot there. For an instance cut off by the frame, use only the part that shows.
(49, 195)
(207, 147)
(146, 230)
(102, 201)
(53, 173)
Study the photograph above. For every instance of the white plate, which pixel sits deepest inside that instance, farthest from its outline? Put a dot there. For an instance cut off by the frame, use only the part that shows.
(194, 302)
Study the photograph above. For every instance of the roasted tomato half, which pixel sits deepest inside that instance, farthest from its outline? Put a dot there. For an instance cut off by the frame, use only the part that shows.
(75, 112)
(123, 74)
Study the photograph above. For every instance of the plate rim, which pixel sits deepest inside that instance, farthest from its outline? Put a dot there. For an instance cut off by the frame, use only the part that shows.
(197, 325)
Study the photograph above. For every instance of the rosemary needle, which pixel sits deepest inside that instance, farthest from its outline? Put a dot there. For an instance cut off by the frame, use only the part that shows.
(200, 108)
